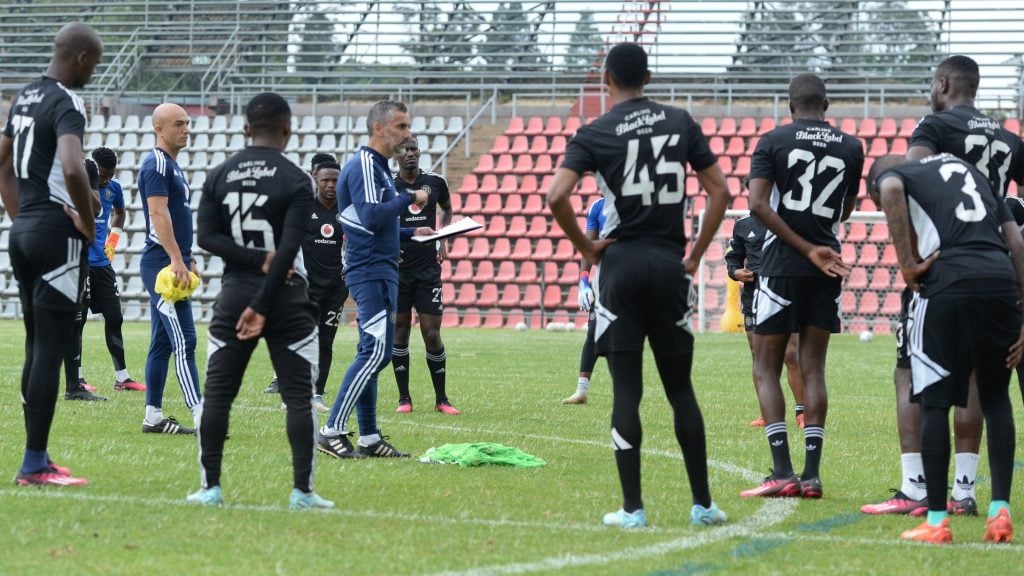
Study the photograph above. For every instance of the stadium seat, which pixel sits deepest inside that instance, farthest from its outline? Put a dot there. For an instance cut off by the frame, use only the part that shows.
(438, 144)
(218, 143)
(588, 186)
(858, 279)
(855, 325)
(513, 204)
(717, 145)
(855, 232)
(898, 283)
(907, 127)
(114, 124)
(522, 250)
(553, 126)
(727, 128)
(848, 252)
(309, 144)
(570, 275)
(501, 249)
(524, 165)
(113, 141)
(543, 250)
(95, 140)
(485, 165)
(867, 129)
(418, 126)
(470, 318)
(488, 295)
(504, 164)
(553, 296)
(887, 128)
(147, 142)
(515, 126)
(520, 145)
(564, 251)
(466, 295)
(436, 126)
(531, 297)
(867, 255)
(539, 145)
(492, 318)
(329, 144)
(557, 146)
(725, 163)
(538, 227)
(709, 127)
(767, 125)
(1012, 125)
(469, 184)
(510, 296)
(359, 125)
(534, 205)
(492, 205)
(450, 317)
(545, 164)
(747, 127)
(517, 226)
(534, 126)
(96, 124)
(899, 146)
(455, 126)
(848, 303)
(742, 167)
(484, 272)
(506, 272)
(462, 272)
(879, 147)
(889, 257)
(879, 232)
(740, 203)
(735, 147)
(891, 304)
(880, 279)
(509, 184)
(459, 248)
(481, 246)
(527, 272)
(514, 317)
(572, 124)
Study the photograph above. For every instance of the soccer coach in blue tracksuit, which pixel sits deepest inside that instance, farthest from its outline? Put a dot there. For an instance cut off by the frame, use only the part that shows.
(369, 208)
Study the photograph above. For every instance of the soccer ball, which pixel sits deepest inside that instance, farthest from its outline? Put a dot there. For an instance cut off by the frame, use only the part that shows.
(521, 326)
(569, 327)
(552, 326)
(866, 336)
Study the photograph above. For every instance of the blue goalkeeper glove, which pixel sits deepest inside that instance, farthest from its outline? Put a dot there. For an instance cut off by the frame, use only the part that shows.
(586, 293)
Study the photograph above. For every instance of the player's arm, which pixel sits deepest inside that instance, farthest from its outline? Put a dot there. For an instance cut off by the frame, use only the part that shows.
(925, 140)
(160, 218)
(562, 185)
(373, 213)
(854, 168)
(69, 152)
(894, 203)
(1012, 236)
(713, 182)
(117, 218)
(296, 221)
(445, 204)
(8, 182)
(214, 234)
(737, 255)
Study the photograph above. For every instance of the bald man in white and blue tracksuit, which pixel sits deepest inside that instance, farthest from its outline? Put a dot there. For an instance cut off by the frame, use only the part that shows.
(369, 208)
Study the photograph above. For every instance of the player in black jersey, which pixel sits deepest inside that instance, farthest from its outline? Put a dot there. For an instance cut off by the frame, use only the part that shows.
(955, 127)
(638, 152)
(804, 177)
(318, 159)
(743, 262)
(419, 279)
(45, 190)
(254, 214)
(321, 252)
(951, 235)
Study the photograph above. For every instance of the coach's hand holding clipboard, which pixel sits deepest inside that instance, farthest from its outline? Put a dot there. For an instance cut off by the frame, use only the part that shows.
(467, 224)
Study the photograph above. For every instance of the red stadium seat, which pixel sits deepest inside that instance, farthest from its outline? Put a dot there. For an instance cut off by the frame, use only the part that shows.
(588, 185)
(848, 304)
(446, 270)
(514, 317)
(889, 256)
(717, 145)
(504, 164)
(867, 128)
(539, 145)
(735, 147)
(879, 232)
(858, 279)
(469, 184)
(509, 184)
(868, 255)
(767, 125)
(741, 203)
(459, 248)
(553, 296)
(527, 272)
(899, 146)
(534, 205)
(725, 163)
(493, 318)
(538, 227)
(481, 248)
(517, 226)
(513, 205)
(534, 126)
(543, 250)
(531, 297)
(907, 127)
(515, 126)
(564, 251)
(570, 273)
(557, 146)
(545, 165)
(484, 165)
(484, 272)
(856, 232)
(492, 205)
(471, 204)
(488, 184)
(849, 253)
(572, 124)
(488, 295)
(742, 167)
(747, 128)
(463, 271)
(1012, 125)
(466, 294)
(752, 145)
(898, 283)
(449, 318)
(520, 145)
(734, 186)
(523, 250)
(496, 228)
(510, 296)
(506, 272)
(891, 304)
(553, 127)
(501, 249)
(456, 200)
(887, 129)
(549, 274)
(524, 165)
(709, 127)
(528, 185)
(848, 125)
(880, 279)
(879, 147)
(470, 318)
(501, 145)
(728, 127)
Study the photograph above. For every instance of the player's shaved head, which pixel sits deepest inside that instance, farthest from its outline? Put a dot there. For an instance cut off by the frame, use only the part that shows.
(76, 53)
(881, 165)
(962, 74)
(167, 112)
(807, 94)
(626, 63)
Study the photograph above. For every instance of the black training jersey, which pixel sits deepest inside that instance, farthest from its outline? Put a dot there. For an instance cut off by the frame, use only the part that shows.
(256, 201)
(952, 210)
(638, 153)
(745, 250)
(422, 254)
(815, 170)
(321, 247)
(977, 139)
(42, 112)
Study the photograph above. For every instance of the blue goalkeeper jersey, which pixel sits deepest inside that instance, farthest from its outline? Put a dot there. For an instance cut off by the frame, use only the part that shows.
(369, 208)
(110, 197)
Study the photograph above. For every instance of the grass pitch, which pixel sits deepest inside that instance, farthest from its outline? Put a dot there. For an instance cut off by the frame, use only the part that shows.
(403, 517)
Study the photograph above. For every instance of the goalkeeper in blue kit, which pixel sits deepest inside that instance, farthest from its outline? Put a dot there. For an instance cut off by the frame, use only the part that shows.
(595, 222)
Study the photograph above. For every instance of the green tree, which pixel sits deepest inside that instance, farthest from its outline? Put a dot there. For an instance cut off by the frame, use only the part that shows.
(318, 53)
(441, 39)
(511, 41)
(584, 45)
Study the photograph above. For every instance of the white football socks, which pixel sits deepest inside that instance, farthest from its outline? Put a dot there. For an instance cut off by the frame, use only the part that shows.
(154, 415)
(583, 385)
(121, 375)
(966, 473)
(913, 476)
